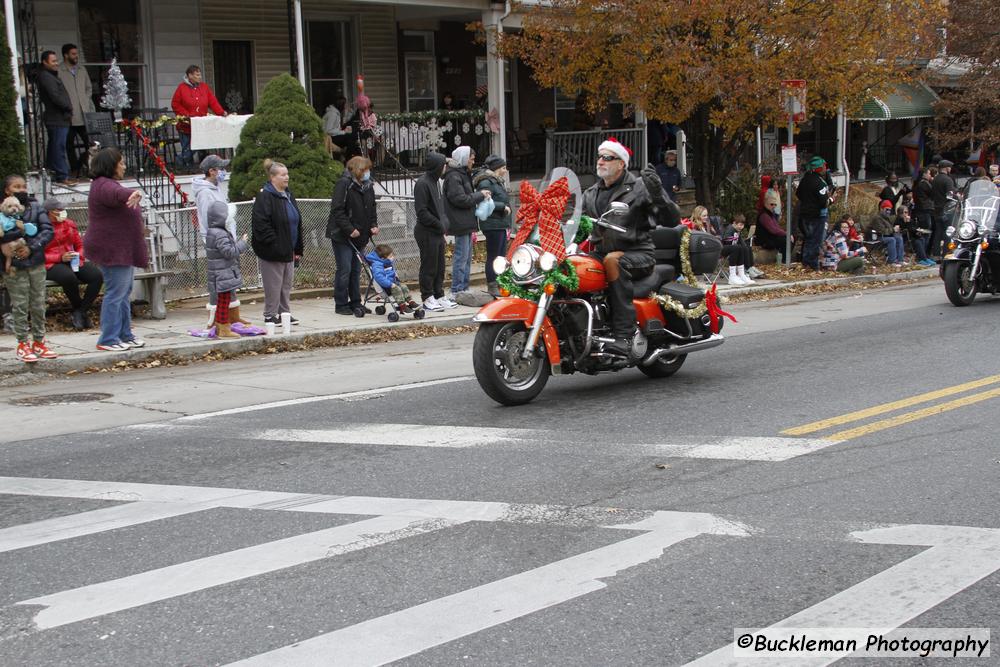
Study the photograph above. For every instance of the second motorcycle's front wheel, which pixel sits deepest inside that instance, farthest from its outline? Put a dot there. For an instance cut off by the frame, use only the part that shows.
(503, 373)
(959, 284)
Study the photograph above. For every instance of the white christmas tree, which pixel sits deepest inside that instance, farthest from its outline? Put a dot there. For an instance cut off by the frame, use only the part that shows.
(116, 91)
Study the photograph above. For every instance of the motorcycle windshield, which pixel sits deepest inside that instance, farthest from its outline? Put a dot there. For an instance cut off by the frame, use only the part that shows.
(982, 201)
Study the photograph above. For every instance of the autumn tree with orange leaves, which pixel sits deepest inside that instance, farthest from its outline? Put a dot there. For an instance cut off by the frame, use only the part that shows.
(971, 110)
(715, 66)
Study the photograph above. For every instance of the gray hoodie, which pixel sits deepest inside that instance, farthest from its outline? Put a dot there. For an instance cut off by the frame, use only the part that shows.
(222, 252)
(206, 192)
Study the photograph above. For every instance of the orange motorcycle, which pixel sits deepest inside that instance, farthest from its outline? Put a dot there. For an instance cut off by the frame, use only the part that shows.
(553, 317)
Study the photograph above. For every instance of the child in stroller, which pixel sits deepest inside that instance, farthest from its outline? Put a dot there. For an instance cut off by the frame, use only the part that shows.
(382, 272)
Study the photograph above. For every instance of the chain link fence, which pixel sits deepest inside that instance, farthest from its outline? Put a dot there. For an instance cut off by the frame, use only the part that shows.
(179, 249)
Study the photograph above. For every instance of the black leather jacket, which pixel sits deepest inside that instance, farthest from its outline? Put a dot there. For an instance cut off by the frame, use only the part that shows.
(643, 215)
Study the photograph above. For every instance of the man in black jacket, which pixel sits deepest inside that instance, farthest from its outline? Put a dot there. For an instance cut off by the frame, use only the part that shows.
(626, 255)
(923, 202)
(942, 188)
(57, 116)
(815, 196)
(432, 225)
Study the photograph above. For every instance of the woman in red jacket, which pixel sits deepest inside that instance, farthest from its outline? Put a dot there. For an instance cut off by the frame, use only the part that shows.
(64, 264)
(192, 99)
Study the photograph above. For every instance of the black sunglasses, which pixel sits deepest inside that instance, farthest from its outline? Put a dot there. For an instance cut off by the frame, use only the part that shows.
(608, 158)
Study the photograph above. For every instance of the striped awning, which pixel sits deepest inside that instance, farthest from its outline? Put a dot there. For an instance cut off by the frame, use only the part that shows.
(908, 100)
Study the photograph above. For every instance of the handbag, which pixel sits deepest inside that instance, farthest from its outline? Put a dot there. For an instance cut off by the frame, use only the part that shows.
(484, 209)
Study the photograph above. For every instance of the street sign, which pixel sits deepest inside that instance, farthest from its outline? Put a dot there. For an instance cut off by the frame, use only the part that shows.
(789, 160)
(795, 99)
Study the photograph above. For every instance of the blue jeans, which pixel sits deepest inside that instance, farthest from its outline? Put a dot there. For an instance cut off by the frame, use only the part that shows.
(347, 279)
(815, 229)
(116, 309)
(893, 248)
(496, 245)
(55, 155)
(461, 263)
(187, 157)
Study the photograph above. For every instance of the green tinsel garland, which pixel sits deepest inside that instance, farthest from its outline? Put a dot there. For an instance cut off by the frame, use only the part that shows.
(677, 307)
(563, 275)
(584, 230)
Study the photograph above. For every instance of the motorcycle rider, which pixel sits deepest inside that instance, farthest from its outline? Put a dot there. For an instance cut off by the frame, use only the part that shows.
(626, 256)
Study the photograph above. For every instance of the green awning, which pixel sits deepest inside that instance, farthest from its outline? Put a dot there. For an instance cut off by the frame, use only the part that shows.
(909, 100)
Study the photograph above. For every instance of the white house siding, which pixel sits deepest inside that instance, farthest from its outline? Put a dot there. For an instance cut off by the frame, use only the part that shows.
(56, 24)
(265, 23)
(176, 44)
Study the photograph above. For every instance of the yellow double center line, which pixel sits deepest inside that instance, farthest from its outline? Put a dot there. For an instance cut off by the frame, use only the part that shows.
(905, 418)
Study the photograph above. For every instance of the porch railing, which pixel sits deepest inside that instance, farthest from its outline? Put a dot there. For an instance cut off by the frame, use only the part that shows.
(578, 150)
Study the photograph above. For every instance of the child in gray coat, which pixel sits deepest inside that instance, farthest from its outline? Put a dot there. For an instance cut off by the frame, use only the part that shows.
(222, 253)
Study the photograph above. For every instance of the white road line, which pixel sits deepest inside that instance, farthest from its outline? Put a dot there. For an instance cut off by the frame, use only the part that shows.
(88, 523)
(329, 397)
(739, 448)
(108, 597)
(410, 631)
(959, 558)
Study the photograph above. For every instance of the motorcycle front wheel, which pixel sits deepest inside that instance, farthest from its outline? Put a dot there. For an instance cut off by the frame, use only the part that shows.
(503, 373)
(959, 284)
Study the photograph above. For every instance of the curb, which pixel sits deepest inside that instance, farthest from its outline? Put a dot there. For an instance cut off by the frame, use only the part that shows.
(904, 276)
(199, 347)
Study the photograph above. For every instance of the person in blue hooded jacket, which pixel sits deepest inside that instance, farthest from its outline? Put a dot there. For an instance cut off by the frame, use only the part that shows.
(382, 263)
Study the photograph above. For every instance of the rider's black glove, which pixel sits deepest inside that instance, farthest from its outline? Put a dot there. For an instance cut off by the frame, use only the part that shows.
(654, 186)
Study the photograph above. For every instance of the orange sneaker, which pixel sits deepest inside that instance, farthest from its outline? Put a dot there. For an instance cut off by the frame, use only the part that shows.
(42, 351)
(25, 354)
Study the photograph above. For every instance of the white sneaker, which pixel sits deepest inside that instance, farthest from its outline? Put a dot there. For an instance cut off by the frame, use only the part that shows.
(134, 343)
(447, 303)
(432, 304)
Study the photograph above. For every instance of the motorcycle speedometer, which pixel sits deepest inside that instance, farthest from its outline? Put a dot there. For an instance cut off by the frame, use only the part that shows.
(522, 262)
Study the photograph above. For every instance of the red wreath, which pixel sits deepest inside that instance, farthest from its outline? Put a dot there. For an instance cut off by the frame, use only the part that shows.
(544, 211)
(714, 311)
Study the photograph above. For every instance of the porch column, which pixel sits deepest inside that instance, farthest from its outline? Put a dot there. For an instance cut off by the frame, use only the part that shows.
(8, 7)
(300, 50)
(493, 22)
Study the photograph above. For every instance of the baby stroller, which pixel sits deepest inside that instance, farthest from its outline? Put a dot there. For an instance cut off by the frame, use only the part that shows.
(376, 294)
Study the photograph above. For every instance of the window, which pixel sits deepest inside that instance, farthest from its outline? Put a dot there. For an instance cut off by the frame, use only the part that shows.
(234, 84)
(565, 110)
(421, 83)
(330, 66)
(417, 41)
(111, 29)
(509, 89)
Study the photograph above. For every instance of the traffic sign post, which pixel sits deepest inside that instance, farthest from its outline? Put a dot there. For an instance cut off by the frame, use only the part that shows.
(794, 103)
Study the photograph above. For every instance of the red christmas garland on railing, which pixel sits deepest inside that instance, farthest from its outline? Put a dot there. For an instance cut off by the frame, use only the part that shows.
(137, 130)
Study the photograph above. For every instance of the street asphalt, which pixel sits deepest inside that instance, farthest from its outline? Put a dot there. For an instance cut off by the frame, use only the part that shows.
(834, 464)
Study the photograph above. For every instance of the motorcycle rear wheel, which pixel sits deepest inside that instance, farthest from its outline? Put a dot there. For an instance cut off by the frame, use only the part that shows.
(663, 368)
(958, 284)
(502, 373)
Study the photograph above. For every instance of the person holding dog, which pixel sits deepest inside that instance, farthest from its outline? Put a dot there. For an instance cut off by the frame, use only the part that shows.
(26, 277)
(65, 264)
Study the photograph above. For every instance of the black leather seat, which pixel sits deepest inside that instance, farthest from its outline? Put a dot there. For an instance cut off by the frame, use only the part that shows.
(662, 273)
(684, 293)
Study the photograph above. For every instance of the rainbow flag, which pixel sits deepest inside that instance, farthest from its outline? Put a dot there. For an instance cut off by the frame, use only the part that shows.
(913, 147)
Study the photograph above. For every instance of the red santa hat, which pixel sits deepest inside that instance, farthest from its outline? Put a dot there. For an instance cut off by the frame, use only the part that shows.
(612, 145)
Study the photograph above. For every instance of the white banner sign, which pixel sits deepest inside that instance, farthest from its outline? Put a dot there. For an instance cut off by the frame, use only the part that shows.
(217, 131)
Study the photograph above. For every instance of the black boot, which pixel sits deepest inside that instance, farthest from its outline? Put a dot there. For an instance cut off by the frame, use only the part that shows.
(79, 319)
(622, 308)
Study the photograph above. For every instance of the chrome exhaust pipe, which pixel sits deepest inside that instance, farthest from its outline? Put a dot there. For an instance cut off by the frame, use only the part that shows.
(715, 340)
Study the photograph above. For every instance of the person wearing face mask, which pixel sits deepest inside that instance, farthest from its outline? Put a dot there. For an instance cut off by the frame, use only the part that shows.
(497, 226)
(353, 221)
(430, 230)
(66, 265)
(770, 235)
(207, 190)
(460, 201)
(670, 175)
(26, 282)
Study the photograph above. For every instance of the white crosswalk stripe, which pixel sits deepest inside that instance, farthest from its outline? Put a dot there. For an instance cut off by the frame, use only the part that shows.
(956, 557)
(739, 448)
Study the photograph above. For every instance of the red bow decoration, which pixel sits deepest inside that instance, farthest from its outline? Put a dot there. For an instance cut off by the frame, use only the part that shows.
(714, 311)
(545, 211)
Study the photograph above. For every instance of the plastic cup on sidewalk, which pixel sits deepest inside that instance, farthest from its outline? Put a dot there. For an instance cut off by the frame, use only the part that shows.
(74, 262)
(269, 327)
(286, 323)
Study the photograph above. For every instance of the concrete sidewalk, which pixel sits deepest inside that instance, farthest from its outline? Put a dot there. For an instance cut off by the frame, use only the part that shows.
(314, 309)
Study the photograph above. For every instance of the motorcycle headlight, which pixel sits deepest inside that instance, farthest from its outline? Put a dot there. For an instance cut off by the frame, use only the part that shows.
(522, 262)
(966, 230)
(547, 261)
(500, 264)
